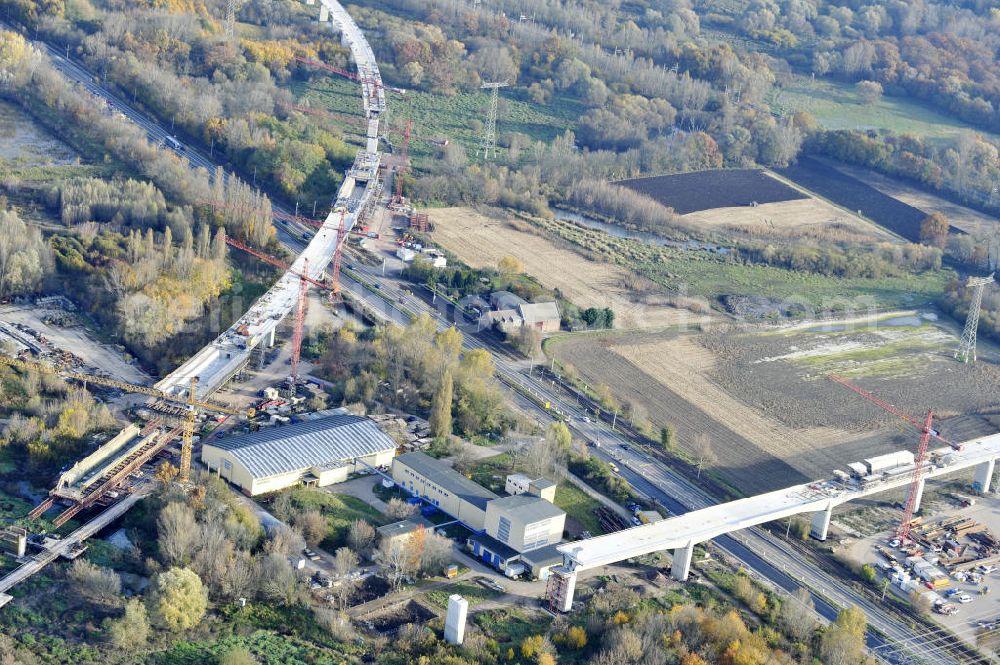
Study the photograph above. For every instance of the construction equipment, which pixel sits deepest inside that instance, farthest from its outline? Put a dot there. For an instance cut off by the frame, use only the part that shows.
(274, 261)
(328, 68)
(967, 346)
(337, 254)
(397, 200)
(190, 400)
(926, 432)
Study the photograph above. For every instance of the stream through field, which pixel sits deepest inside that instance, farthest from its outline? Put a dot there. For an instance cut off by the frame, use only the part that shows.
(642, 236)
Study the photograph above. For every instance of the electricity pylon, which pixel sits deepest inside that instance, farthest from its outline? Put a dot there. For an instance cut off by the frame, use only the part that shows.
(967, 346)
(231, 19)
(488, 141)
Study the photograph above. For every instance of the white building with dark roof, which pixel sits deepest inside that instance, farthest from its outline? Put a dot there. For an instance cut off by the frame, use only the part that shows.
(317, 452)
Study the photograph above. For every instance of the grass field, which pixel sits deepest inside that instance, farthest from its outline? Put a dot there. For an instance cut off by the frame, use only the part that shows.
(836, 105)
(709, 276)
(437, 117)
(340, 511)
(472, 592)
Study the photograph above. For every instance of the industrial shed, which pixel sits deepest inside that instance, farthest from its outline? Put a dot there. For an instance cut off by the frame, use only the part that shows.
(317, 452)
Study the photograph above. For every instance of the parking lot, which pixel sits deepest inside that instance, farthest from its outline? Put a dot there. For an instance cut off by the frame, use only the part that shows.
(977, 598)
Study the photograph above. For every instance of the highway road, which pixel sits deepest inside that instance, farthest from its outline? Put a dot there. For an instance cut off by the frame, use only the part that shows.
(761, 552)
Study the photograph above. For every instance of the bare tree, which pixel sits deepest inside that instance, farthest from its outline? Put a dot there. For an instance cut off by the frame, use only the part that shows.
(396, 560)
(275, 578)
(312, 525)
(437, 553)
(344, 563)
(703, 452)
(400, 510)
(238, 580)
(798, 615)
(96, 584)
(177, 533)
(361, 537)
(284, 541)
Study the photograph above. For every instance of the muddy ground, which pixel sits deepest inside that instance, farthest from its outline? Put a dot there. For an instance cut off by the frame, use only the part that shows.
(765, 400)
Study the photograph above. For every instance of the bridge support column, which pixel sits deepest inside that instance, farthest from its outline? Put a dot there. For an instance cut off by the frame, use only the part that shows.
(821, 523)
(681, 566)
(560, 589)
(984, 476)
(270, 338)
(310, 2)
(324, 14)
(919, 492)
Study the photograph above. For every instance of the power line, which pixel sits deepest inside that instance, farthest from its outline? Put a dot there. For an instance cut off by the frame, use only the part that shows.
(488, 141)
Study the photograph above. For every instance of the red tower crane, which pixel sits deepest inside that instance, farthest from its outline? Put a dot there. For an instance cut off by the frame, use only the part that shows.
(927, 431)
(300, 306)
(335, 273)
(326, 67)
(300, 317)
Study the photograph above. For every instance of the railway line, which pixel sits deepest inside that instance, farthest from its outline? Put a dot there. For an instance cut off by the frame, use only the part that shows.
(889, 637)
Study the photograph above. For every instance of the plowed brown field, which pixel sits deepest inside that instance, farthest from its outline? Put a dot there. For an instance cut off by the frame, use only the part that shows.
(481, 241)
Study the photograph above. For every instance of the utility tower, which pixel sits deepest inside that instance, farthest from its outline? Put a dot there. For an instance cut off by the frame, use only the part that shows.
(230, 19)
(967, 346)
(488, 141)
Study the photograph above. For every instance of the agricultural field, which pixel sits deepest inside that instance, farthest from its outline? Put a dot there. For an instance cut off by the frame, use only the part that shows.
(436, 117)
(965, 219)
(837, 105)
(704, 190)
(829, 182)
(481, 241)
(697, 278)
(764, 399)
(789, 219)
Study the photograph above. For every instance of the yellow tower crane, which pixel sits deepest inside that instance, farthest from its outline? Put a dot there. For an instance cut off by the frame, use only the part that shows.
(191, 402)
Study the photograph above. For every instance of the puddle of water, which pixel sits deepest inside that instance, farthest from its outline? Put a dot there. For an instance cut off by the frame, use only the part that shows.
(23, 139)
(643, 236)
(912, 321)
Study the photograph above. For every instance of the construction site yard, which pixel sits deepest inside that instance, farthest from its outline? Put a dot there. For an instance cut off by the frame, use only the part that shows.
(971, 615)
(763, 398)
(64, 332)
(481, 241)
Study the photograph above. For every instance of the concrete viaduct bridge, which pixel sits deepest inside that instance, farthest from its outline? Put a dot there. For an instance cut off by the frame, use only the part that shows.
(819, 498)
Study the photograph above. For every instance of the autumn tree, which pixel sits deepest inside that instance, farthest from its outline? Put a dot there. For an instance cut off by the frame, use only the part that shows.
(177, 600)
(934, 230)
(129, 632)
(398, 509)
(312, 525)
(869, 92)
(440, 420)
(24, 256)
(509, 265)
(667, 437)
(703, 452)
(843, 641)
(361, 537)
(238, 656)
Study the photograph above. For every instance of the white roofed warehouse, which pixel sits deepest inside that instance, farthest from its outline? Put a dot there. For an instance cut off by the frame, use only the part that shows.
(317, 452)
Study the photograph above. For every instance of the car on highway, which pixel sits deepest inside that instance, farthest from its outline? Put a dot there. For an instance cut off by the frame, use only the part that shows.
(585, 419)
(376, 285)
(624, 446)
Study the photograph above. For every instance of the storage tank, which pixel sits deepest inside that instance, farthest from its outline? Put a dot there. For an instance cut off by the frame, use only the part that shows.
(888, 461)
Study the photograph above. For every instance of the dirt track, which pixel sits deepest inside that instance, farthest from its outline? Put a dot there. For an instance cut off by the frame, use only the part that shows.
(482, 241)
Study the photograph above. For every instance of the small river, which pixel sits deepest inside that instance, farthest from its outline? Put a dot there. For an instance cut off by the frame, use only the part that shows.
(642, 236)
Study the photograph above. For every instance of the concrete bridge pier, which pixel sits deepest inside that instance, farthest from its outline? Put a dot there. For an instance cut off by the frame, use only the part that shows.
(919, 492)
(681, 566)
(984, 477)
(324, 14)
(270, 339)
(821, 523)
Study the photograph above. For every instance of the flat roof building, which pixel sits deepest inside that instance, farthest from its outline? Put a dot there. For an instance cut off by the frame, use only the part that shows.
(422, 475)
(525, 522)
(316, 452)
